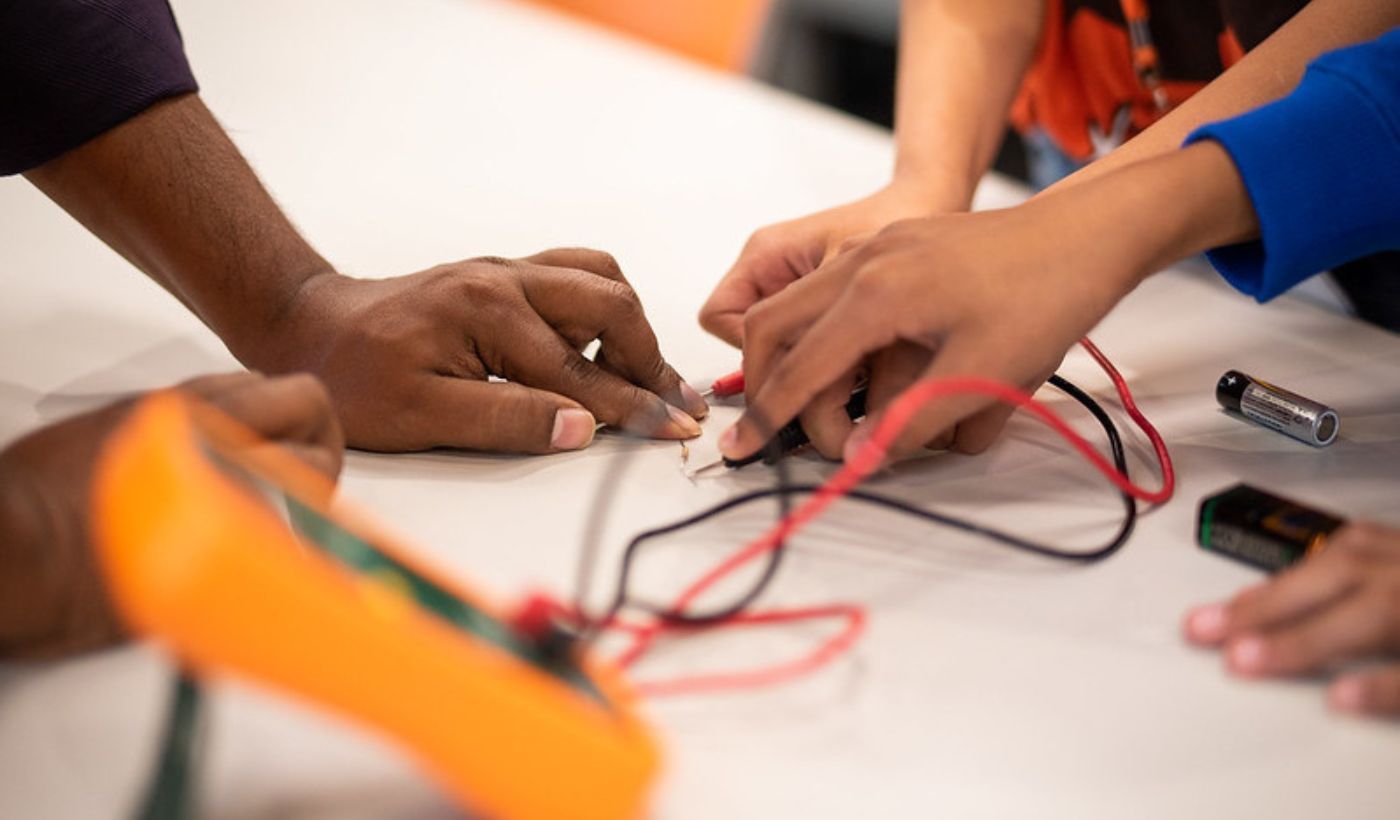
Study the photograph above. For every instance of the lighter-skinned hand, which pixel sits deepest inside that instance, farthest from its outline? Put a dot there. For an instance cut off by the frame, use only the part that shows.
(1324, 615)
(778, 255)
(1000, 295)
(409, 361)
(990, 294)
(52, 599)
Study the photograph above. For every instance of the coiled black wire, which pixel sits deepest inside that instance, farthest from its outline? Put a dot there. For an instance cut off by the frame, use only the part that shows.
(785, 491)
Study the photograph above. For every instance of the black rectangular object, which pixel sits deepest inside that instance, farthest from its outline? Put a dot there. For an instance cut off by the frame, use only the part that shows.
(1262, 529)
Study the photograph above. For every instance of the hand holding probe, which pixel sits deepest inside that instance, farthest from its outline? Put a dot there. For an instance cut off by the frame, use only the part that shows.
(792, 437)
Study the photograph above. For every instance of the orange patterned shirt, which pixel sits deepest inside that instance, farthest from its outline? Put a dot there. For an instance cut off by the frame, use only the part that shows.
(1083, 71)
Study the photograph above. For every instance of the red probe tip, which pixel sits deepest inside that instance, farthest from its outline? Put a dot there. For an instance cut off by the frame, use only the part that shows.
(730, 385)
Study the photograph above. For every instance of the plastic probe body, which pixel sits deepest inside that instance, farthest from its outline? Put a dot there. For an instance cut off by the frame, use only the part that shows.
(726, 386)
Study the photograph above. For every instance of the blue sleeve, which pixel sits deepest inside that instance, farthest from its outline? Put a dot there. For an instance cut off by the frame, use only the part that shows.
(1322, 168)
(72, 69)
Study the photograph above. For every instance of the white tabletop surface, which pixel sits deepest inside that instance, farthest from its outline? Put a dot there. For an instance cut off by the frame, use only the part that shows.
(403, 134)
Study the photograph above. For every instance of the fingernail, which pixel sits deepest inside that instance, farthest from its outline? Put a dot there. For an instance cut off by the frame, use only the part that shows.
(854, 442)
(694, 402)
(682, 420)
(1247, 655)
(729, 443)
(573, 429)
(1348, 695)
(1206, 624)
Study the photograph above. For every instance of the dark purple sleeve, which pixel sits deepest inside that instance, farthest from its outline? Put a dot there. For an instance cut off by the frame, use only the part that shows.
(72, 69)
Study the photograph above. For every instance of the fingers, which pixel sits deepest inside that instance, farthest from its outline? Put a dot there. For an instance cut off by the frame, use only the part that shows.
(1374, 692)
(1366, 540)
(1354, 627)
(772, 259)
(1291, 595)
(825, 420)
(892, 370)
(293, 411)
(497, 416)
(776, 324)
(977, 432)
(580, 305)
(833, 346)
(957, 357)
(1337, 607)
(722, 314)
(542, 359)
(599, 263)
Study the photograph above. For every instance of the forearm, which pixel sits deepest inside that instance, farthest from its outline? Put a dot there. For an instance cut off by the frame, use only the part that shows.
(960, 63)
(1136, 220)
(169, 192)
(1265, 74)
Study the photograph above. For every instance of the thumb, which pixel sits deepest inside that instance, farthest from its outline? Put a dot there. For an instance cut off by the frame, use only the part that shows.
(500, 417)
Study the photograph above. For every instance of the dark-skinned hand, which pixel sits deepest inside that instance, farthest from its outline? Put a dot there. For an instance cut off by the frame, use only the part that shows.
(409, 361)
(52, 599)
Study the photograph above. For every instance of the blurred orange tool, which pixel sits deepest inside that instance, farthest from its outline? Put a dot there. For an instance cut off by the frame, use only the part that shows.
(508, 717)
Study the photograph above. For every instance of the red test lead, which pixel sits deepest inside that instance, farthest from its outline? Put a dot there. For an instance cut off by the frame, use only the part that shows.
(726, 386)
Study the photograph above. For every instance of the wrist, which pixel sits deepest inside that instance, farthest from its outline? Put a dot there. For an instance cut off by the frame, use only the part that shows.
(282, 339)
(1155, 212)
(928, 191)
(1212, 207)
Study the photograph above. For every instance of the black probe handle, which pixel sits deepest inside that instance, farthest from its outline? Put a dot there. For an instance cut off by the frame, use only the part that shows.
(793, 437)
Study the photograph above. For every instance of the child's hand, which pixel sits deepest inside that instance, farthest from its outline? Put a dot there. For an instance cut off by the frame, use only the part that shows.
(780, 254)
(1339, 607)
(995, 294)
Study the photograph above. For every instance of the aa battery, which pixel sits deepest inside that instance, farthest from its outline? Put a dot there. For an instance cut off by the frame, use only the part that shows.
(1278, 409)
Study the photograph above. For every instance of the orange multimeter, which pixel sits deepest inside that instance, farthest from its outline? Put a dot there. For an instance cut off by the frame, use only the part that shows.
(335, 614)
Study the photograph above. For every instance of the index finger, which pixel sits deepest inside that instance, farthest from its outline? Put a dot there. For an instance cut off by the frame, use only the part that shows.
(831, 347)
(581, 306)
(598, 263)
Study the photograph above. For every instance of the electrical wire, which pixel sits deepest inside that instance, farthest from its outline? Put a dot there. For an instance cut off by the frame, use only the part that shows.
(676, 617)
(170, 793)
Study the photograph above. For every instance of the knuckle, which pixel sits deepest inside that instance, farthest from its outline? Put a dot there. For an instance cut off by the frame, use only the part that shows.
(579, 370)
(760, 328)
(757, 320)
(607, 264)
(627, 302)
(869, 285)
(479, 289)
(380, 332)
(761, 241)
(656, 372)
(851, 243)
(708, 316)
(494, 262)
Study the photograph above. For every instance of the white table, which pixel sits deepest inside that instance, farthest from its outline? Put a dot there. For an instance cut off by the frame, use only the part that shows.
(990, 683)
